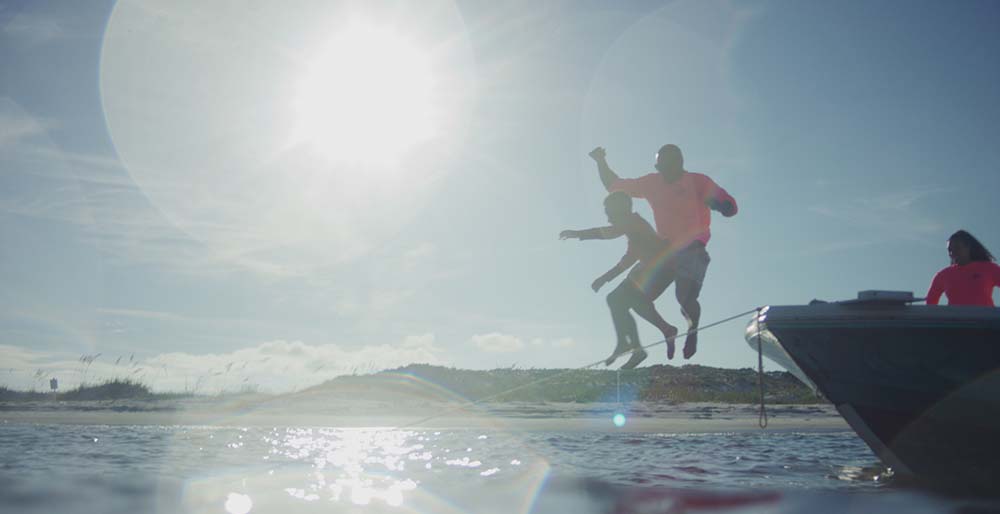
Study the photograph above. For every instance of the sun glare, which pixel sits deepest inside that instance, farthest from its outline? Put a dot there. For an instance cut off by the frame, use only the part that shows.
(366, 97)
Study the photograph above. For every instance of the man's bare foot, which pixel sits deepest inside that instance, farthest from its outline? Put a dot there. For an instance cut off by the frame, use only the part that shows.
(619, 351)
(691, 344)
(638, 355)
(669, 335)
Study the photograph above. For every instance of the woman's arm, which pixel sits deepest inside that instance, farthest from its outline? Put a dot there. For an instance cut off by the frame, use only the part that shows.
(937, 287)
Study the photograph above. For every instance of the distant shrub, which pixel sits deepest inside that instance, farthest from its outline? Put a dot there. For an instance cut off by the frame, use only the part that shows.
(116, 389)
(11, 395)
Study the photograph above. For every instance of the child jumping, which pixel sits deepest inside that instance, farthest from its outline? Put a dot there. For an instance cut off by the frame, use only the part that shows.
(645, 282)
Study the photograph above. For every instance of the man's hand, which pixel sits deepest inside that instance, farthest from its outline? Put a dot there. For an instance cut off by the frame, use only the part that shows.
(725, 208)
(569, 234)
(604, 171)
(596, 286)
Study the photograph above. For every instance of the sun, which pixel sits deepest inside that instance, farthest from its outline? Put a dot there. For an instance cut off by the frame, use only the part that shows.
(365, 97)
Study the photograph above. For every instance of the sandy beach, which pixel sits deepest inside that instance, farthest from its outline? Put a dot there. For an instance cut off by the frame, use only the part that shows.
(641, 417)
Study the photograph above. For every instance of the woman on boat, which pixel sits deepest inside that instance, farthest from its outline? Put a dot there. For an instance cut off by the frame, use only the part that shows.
(971, 277)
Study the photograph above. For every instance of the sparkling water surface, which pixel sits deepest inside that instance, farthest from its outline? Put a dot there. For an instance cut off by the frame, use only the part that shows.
(81, 468)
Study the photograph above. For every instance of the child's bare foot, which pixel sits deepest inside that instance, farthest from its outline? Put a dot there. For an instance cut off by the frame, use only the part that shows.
(669, 335)
(619, 351)
(638, 355)
(691, 344)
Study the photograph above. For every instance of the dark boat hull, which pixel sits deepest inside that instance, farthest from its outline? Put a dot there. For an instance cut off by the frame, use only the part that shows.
(919, 384)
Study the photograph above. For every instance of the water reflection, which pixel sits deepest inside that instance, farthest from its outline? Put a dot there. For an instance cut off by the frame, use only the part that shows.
(370, 468)
(863, 473)
(373, 470)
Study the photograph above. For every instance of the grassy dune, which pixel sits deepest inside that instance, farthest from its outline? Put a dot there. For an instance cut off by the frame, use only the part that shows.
(117, 389)
(689, 383)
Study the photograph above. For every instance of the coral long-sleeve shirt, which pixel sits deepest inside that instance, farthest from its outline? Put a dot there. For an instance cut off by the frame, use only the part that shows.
(971, 284)
(681, 209)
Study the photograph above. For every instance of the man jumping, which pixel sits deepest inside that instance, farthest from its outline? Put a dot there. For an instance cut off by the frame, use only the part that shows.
(682, 202)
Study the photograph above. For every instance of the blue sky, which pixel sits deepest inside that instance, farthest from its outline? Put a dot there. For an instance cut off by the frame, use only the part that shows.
(153, 208)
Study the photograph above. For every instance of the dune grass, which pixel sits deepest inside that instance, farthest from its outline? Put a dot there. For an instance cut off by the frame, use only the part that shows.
(114, 389)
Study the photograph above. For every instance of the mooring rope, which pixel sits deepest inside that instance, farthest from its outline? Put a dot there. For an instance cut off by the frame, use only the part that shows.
(472, 403)
(762, 417)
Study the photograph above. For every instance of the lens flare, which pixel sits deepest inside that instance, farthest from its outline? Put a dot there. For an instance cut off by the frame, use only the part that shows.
(238, 503)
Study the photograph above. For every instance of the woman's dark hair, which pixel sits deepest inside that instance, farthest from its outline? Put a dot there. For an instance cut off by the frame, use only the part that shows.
(977, 252)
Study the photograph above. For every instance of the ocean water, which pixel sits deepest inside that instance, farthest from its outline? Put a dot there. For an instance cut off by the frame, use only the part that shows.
(131, 469)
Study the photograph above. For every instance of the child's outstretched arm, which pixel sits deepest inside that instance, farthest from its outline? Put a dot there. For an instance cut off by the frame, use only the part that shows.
(623, 265)
(609, 232)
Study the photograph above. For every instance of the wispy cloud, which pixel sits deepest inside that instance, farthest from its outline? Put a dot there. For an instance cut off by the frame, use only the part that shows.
(899, 215)
(418, 255)
(16, 125)
(143, 314)
(34, 28)
(496, 342)
(373, 303)
(274, 366)
(565, 342)
(97, 194)
(561, 343)
(839, 246)
(27, 321)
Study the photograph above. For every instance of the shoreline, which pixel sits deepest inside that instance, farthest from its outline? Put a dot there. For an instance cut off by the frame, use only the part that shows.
(641, 417)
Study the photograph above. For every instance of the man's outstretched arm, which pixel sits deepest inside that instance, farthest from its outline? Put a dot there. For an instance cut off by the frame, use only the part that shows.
(608, 176)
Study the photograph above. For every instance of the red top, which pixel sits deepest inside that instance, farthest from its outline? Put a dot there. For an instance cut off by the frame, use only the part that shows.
(680, 208)
(971, 284)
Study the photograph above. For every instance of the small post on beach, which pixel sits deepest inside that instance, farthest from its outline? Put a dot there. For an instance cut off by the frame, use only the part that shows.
(618, 383)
